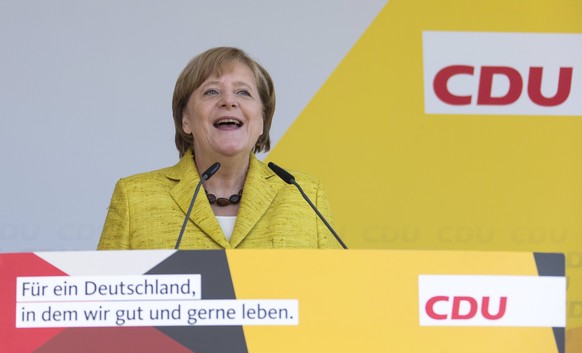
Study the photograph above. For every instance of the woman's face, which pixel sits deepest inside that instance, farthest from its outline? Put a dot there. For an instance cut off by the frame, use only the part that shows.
(225, 114)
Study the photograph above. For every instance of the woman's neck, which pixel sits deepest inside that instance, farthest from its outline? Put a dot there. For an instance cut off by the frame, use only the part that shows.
(229, 179)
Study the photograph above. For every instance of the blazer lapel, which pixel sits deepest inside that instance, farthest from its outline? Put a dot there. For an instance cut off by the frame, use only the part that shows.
(258, 194)
(202, 215)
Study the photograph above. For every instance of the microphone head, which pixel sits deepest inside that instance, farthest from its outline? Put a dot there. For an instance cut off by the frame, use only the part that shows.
(282, 173)
(210, 171)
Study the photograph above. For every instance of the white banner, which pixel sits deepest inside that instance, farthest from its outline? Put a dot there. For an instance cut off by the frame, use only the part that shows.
(459, 300)
(261, 312)
(106, 288)
(502, 73)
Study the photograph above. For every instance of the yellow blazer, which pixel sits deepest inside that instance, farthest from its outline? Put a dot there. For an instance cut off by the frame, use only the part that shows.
(147, 211)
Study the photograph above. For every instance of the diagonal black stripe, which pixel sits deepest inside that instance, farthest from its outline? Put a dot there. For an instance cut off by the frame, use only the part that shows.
(216, 284)
(560, 336)
(550, 264)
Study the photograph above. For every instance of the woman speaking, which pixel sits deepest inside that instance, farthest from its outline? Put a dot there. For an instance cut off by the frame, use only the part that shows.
(223, 105)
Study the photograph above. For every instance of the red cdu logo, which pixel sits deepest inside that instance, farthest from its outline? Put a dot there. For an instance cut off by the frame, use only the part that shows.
(485, 95)
(502, 73)
(465, 307)
(491, 300)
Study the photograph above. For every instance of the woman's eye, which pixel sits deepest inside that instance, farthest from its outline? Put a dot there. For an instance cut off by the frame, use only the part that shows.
(211, 92)
(244, 92)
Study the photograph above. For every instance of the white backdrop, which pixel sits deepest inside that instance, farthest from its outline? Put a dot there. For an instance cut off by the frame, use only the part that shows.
(85, 94)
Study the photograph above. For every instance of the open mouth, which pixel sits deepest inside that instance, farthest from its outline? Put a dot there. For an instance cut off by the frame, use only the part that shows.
(228, 122)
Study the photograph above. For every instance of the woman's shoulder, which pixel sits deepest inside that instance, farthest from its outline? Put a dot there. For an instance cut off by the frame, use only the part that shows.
(302, 178)
(154, 178)
(149, 175)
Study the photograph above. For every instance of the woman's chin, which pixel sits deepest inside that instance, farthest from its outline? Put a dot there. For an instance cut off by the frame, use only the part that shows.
(233, 151)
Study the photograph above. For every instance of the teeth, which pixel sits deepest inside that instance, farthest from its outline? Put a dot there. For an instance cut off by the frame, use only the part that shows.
(227, 122)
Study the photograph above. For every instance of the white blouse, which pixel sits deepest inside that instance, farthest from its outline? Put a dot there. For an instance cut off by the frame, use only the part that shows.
(227, 225)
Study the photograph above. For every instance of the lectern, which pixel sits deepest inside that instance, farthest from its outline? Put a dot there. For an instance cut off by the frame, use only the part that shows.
(264, 301)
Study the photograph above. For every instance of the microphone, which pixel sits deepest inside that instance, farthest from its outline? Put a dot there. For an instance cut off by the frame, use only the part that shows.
(208, 173)
(290, 179)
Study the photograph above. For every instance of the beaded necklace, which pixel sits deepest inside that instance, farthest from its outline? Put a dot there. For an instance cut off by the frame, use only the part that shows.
(223, 201)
